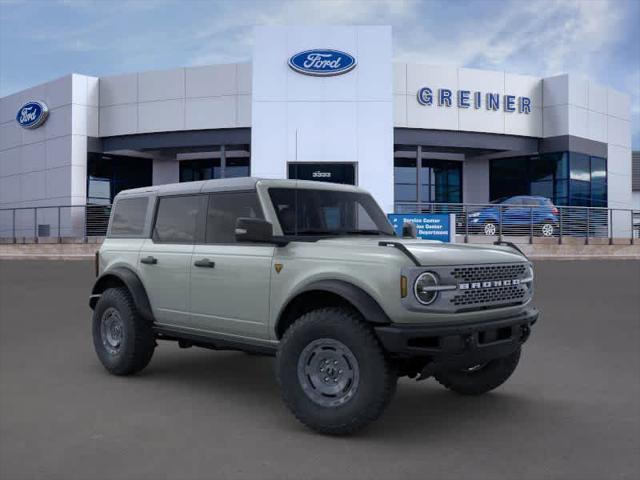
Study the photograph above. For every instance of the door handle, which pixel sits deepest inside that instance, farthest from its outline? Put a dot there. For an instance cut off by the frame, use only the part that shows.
(205, 262)
(149, 260)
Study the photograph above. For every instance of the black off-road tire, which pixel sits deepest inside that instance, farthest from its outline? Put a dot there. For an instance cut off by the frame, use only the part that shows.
(482, 380)
(137, 338)
(377, 379)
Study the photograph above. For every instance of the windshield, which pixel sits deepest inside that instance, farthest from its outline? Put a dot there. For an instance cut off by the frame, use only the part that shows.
(328, 212)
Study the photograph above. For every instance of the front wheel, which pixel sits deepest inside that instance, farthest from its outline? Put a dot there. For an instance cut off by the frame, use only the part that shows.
(332, 372)
(479, 379)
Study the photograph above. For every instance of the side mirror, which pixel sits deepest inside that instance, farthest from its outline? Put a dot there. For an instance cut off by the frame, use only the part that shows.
(253, 230)
(409, 230)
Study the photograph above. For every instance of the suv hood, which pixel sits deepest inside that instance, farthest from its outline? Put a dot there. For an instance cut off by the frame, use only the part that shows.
(436, 253)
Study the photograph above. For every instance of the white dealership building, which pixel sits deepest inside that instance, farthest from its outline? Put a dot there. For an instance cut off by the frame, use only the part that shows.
(324, 103)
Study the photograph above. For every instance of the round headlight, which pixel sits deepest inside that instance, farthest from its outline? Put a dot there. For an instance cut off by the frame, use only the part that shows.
(424, 288)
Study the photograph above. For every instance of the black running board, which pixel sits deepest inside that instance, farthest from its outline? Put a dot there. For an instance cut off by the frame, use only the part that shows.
(212, 342)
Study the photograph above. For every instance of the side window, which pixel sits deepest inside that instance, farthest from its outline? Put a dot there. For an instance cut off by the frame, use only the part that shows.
(513, 201)
(224, 210)
(128, 217)
(177, 219)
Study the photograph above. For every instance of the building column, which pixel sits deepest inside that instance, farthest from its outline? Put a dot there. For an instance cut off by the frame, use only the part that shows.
(166, 169)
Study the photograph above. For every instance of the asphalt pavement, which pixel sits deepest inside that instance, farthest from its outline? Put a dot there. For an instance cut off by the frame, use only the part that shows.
(571, 410)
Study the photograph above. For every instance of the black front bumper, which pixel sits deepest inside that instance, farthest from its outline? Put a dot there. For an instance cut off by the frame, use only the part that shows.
(459, 345)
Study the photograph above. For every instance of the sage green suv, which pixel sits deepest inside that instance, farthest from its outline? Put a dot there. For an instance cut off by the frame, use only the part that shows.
(314, 274)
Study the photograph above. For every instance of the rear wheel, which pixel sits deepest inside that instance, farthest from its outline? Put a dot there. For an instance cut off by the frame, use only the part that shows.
(547, 229)
(490, 228)
(332, 372)
(124, 341)
(482, 378)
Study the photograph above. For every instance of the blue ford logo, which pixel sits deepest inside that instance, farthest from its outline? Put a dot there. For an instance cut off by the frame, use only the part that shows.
(32, 114)
(322, 63)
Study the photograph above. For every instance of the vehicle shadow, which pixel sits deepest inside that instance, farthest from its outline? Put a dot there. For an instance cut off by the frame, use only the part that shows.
(420, 411)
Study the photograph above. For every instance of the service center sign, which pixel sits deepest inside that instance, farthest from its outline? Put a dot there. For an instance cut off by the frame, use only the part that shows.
(429, 226)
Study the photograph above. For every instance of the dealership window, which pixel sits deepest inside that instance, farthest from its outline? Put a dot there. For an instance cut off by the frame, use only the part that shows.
(425, 180)
(567, 178)
(108, 175)
(223, 161)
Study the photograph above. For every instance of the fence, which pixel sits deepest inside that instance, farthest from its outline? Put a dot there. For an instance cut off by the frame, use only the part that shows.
(520, 223)
(523, 223)
(55, 221)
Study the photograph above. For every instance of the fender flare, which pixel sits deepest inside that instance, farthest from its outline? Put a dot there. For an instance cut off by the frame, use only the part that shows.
(130, 280)
(371, 311)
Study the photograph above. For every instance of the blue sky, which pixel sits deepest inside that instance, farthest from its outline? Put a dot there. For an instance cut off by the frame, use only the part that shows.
(44, 39)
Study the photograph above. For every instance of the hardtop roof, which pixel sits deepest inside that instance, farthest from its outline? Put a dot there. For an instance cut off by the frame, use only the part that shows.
(232, 184)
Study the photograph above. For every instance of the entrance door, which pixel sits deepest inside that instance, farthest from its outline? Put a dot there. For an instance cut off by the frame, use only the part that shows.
(324, 172)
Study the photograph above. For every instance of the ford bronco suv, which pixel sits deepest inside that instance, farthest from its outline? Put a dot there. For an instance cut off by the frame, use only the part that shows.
(314, 274)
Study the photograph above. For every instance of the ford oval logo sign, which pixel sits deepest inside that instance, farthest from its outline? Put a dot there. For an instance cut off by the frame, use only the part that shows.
(322, 63)
(32, 114)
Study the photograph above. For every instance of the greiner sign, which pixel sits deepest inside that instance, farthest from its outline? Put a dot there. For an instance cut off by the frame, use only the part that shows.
(443, 97)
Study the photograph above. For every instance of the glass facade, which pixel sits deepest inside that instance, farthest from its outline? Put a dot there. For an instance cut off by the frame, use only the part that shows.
(107, 175)
(567, 178)
(425, 180)
(226, 161)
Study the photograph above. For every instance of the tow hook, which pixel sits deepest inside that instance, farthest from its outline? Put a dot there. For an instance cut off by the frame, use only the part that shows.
(526, 331)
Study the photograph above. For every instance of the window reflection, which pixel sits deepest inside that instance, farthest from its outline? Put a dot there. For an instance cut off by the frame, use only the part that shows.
(221, 162)
(567, 178)
(423, 180)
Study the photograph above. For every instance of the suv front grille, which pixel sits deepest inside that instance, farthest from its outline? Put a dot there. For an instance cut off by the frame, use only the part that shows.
(478, 273)
(471, 298)
(468, 288)
(483, 286)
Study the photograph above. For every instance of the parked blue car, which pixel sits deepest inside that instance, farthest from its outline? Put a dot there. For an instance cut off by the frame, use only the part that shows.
(518, 214)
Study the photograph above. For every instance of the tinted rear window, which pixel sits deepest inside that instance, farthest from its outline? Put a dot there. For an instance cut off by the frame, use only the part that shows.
(177, 219)
(128, 217)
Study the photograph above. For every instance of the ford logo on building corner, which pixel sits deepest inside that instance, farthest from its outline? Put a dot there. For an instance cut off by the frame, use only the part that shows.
(32, 114)
(322, 62)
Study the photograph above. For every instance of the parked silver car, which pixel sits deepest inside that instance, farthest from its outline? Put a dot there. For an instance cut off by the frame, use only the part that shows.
(314, 274)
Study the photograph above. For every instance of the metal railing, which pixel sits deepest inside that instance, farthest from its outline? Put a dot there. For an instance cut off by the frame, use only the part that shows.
(521, 223)
(57, 221)
(524, 223)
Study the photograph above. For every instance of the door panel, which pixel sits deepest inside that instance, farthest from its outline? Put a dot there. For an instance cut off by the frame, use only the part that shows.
(167, 280)
(231, 296)
(165, 259)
